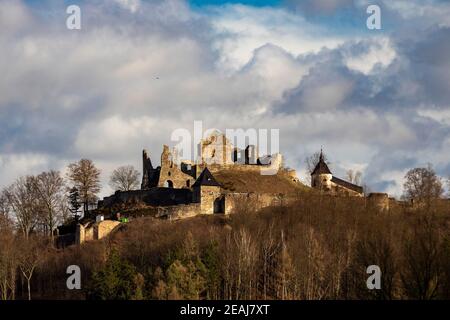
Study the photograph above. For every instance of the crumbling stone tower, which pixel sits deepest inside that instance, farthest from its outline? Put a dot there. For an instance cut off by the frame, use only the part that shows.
(150, 175)
(173, 175)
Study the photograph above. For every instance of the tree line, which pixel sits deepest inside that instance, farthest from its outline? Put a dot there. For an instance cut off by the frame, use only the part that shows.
(33, 206)
(317, 248)
(310, 250)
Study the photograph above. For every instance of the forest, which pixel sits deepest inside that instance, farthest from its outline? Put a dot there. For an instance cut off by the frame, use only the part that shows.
(318, 247)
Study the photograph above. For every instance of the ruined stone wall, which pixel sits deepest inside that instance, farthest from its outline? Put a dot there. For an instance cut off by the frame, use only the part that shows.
(269, 169)
(84, 233)
(89, 233)
(340, 190)
(170, 174)
(103, 228)
(231, 202)
(150, 175)
(291, 173)
(179, 212)
(79, 234)
(153, 197)
(216, 149)
(94, 231)
(254, 201)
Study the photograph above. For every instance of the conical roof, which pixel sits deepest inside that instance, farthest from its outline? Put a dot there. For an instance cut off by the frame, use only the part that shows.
(321, 167)
(206, 179)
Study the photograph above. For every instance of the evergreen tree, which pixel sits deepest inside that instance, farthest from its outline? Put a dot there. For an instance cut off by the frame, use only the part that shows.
(74, 202)
(211, 261)
(118, 280)
(185, 275)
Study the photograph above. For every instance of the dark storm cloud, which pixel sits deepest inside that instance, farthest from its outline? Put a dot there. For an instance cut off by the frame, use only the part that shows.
(430, 61)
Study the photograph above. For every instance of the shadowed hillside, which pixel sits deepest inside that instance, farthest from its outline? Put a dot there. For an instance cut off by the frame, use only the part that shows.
(316, 248)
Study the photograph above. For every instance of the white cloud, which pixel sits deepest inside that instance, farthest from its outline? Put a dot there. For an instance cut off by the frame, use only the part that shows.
(441, 116)
(14, 165)
(243, 29)
(428, 11)
(132, 5)
(14, 17)
(380, 53)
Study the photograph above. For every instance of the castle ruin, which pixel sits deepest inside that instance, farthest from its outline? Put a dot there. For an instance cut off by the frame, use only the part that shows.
(180, 189)
(187, 188)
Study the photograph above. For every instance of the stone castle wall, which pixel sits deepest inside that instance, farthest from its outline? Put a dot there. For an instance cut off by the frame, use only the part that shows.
(337, 189)
(231, 203)
(254, 201)
(95, 231)
(153, 197)
(270, 169)
(103, 228)
(180, 211)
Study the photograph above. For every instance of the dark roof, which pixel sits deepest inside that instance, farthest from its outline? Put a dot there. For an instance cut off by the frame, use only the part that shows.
(321, 167)
(347, 184)
(206, 179)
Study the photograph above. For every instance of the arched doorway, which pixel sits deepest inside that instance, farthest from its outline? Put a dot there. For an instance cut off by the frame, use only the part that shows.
(168, 184)
(219, 205)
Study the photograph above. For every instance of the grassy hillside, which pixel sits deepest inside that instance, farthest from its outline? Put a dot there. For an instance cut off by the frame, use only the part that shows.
(242, 181)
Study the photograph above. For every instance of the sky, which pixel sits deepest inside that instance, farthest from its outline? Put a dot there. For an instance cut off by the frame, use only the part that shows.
(256, 3)
(377, 101)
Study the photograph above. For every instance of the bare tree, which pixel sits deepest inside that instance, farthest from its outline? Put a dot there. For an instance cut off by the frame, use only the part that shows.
(86, 178)
(7, 252)
(23, 201)
(269, 249)
(284, 273)
(246, 253)
(314, 273)
(422, 184)
(423, 274)
(49, 187)
(8, 263)
(354, 177)
(124, 178)
(5, 220)
(30, 254)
